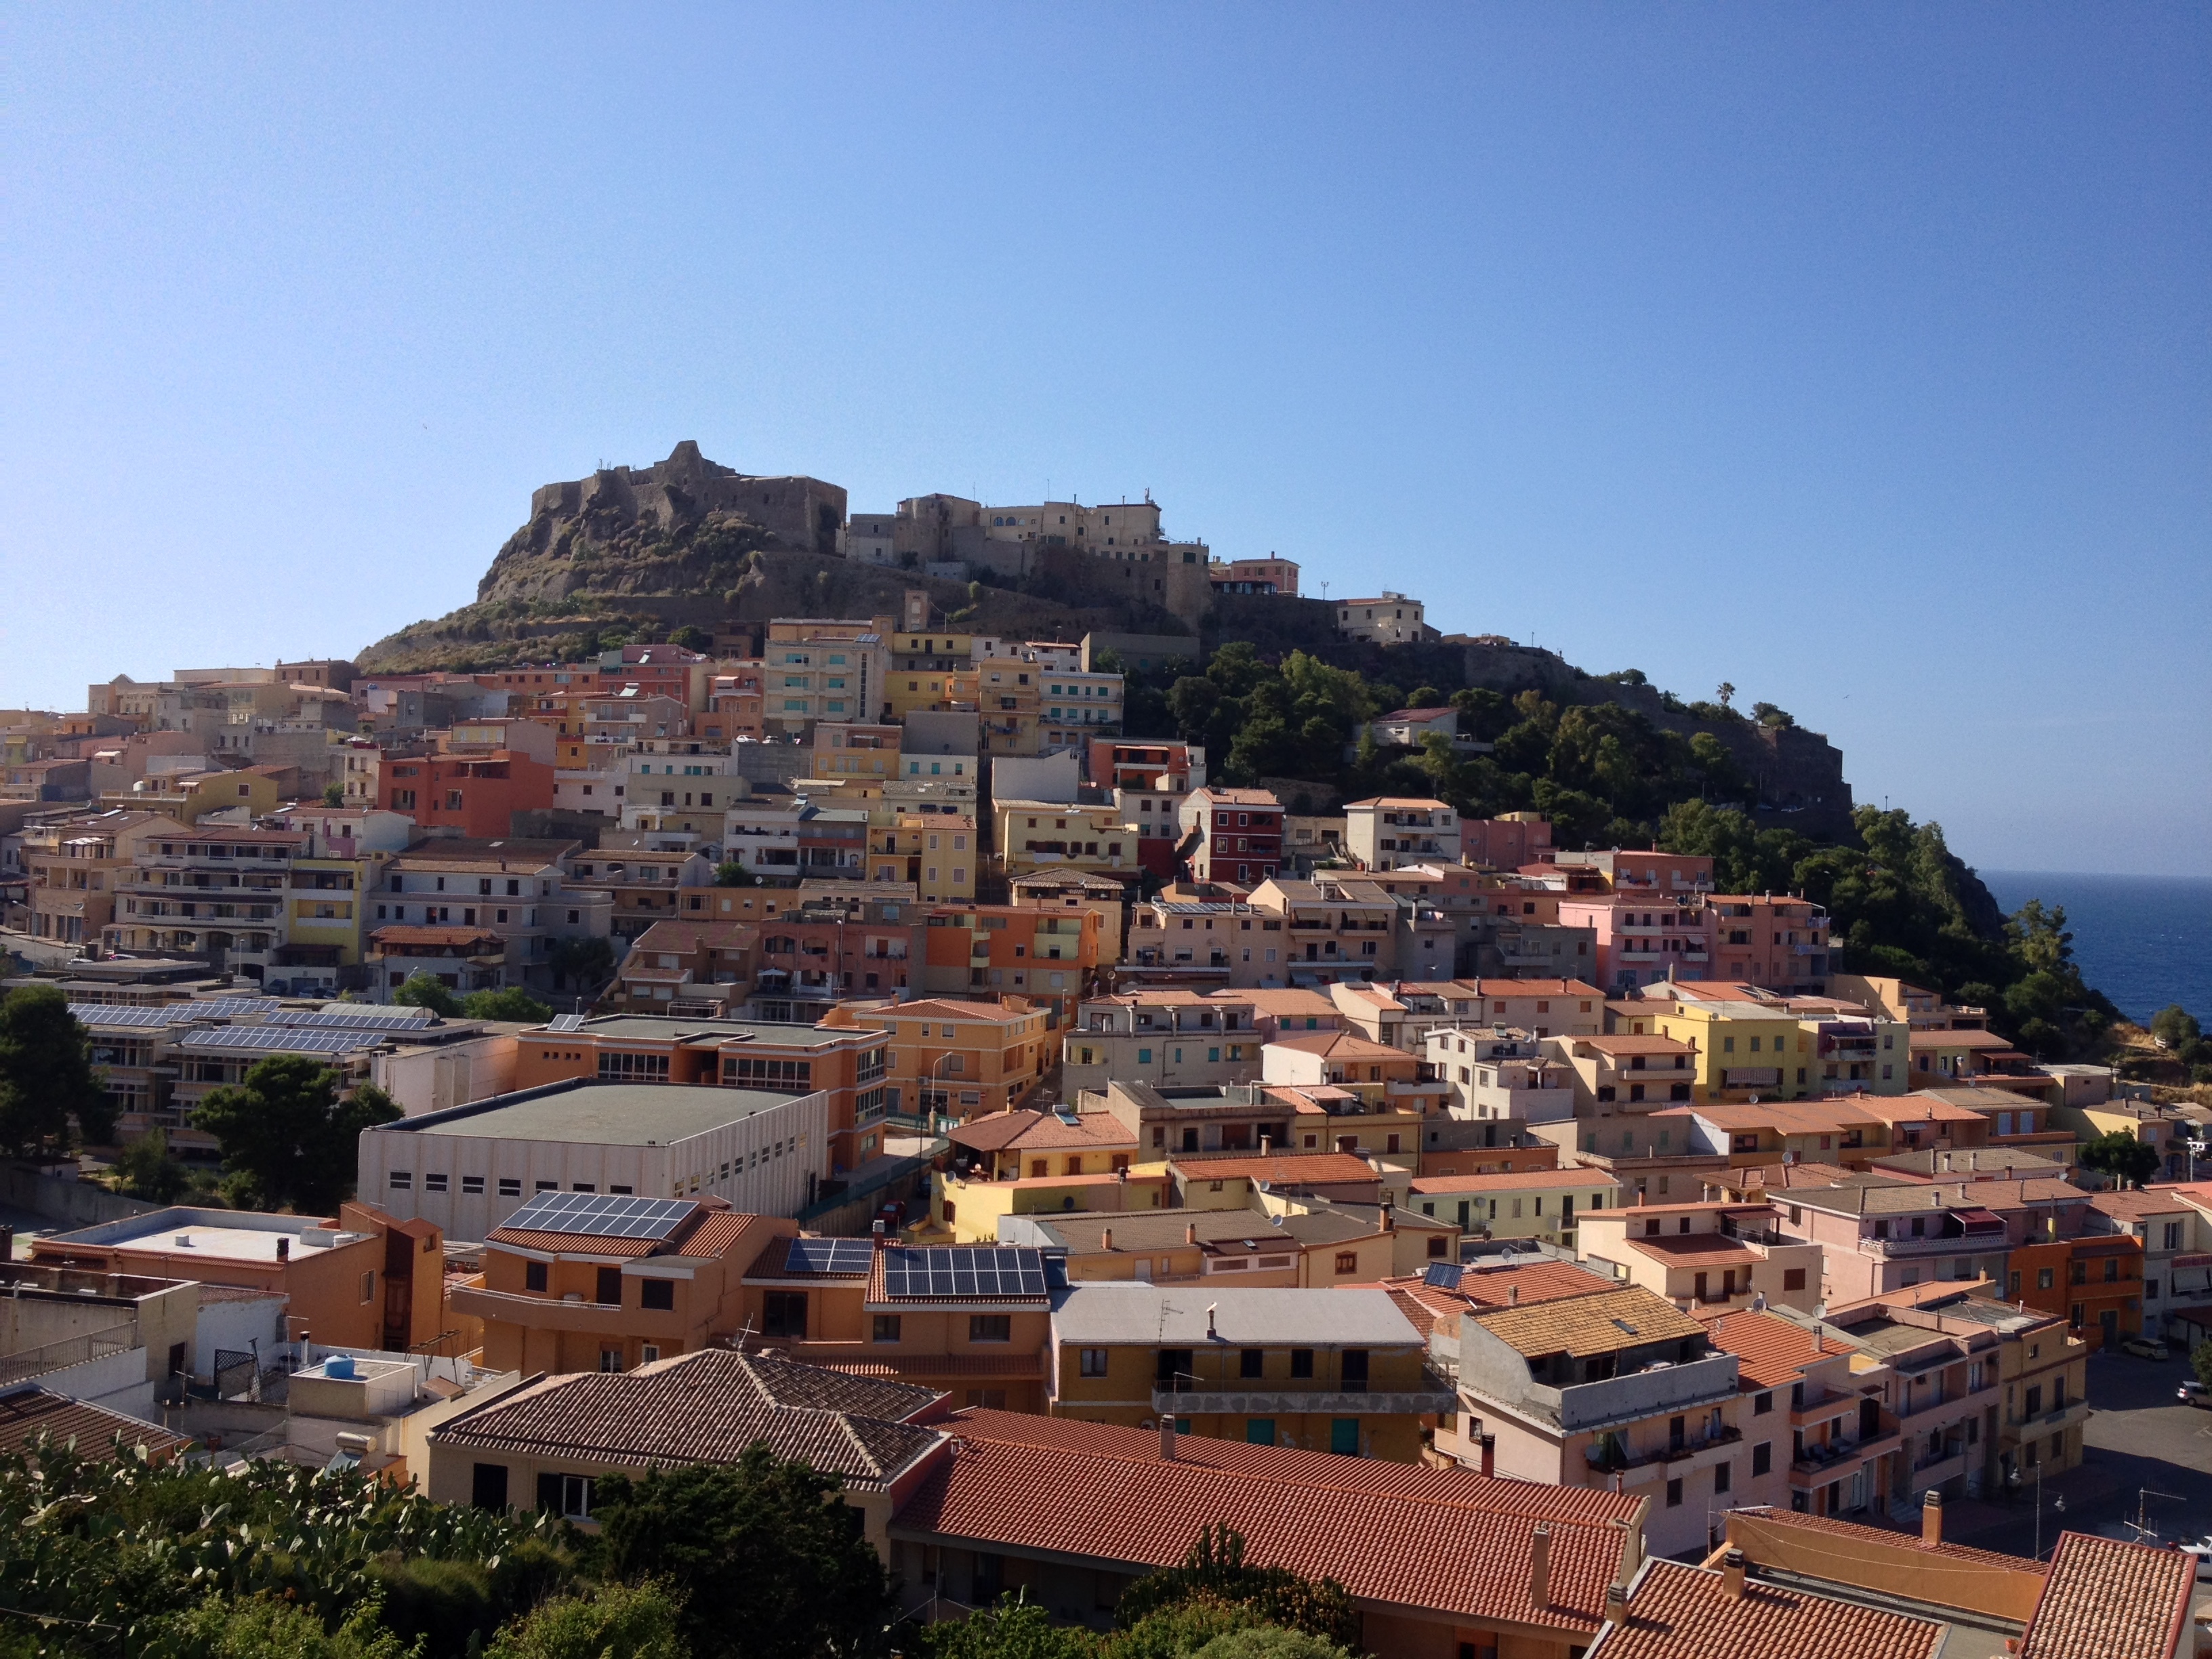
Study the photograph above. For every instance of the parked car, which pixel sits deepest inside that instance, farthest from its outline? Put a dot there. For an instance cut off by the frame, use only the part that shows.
(2147, 1347)
(2193, 1393)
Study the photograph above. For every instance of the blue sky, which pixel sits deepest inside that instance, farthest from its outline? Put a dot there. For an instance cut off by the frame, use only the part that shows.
(1858, 355)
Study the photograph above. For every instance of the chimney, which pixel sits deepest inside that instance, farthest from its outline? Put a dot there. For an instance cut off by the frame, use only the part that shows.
(1106, 1239)
(1732, 1566)
(1616, 1604)
(1167, 1438)
(1263, 1146)
(1211, 1334)
(1190, 1232)
(1539, 1565)
(1931, 1520)
(879, 1236)
(1512, 1296)
(1487, 1444)
(1389, 1223)
(284, 1249)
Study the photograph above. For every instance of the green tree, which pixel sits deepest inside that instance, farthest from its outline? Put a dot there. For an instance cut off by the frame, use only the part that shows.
(1017, 1628)
(585, 961)
(286, 1130)
(2200, 1361)
(256, 1627)
(730, 873)
(2174, 1025)
(1725, 693)
(50, 1096)
(145, 1169)
(426, 990)
(334, 794)
(1215, 1567)
(1271, 1642)
(689, 638)
(618, 1621)
(764, 1533)
(2121, 1156)
(511, 1003)
(1425, 696)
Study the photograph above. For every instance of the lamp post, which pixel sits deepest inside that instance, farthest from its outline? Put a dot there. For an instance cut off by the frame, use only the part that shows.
(934, 1079)
(2057, 1504)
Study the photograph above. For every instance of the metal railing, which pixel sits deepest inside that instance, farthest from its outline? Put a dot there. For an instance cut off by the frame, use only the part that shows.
(30, 1363)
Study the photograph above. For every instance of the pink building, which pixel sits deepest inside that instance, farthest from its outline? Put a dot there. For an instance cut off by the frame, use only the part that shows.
(1642, 939)
(1876, 1241)
(1506, 844)
(1677, 874)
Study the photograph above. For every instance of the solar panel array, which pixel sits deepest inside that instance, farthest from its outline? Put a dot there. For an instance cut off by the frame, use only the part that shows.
(566, 1023)
(828, 1256)
(283, 1039)
(602, 1215)
(115, 1017)
(962, 1270)
(1444, 1275)
(364, 1018)
(225, 1007)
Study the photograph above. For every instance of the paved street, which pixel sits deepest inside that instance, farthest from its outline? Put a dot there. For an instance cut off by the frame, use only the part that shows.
(2138, 1436)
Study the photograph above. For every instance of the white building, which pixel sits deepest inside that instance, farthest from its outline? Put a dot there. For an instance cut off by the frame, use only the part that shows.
(1390, 619)
(1494, 1071)
(468, 1169)
(1389, 832)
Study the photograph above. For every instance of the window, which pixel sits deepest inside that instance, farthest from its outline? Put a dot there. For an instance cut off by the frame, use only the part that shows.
(1722, 1477)
(1302, 1362)
(1761, 1404)
(534, 1275)
(433, 1183)
(1353, 1377)
(607, 1290)
(1793, 1279)
(1092, 1362)
(658, 1293)
(569, 1496)
(886, 1328)
(1348, 1262)
(1762, 1459)
(2043, 1279)
(368, 1287)
(1249, 1362)
(1674, 1493)
(783, 1313)
(402, 1180)
(472, 1184)
(990, 1327)
(510, 1187)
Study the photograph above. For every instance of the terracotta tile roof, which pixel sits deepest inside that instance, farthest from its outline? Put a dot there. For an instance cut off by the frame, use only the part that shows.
(2109, 1598)
(1847, 1533)
(1291, 1168)
(714, 1236)
(1096, 1131)
(1427, 1306)
(1514, 1181)
(681, 937)
(1770, 1352)
(940, 1365)
(1914, 1109)
(1583, 1325)
(1393, 1534)
(1633, 1043)
(1973, 1039)
(1680, 1613)
(992, 1131)
(1501, 988)
(2136, 1206)
(1341, 1045)
(949, 1008)
(706, 1407)
(25, 1414)
(452, 936)
(1790, 1176)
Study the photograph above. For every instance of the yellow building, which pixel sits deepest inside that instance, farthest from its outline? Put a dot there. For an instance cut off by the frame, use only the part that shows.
(968, 1212)
(959, 1056)
(325, 911)
(938, 851)
(929, 671)
(1520, 1204)
(1327, 1371)
(1743, 1049)
(1035, 836)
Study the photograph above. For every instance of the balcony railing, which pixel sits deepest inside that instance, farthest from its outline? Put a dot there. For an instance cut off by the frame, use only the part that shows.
(1224, 1401)
(1605, 1455)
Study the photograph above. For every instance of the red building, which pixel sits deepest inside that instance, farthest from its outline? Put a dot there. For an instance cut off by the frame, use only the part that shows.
(477, 794)
(1240, 835)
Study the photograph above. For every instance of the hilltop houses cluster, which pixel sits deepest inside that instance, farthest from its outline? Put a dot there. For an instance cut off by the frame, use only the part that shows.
(1071, 1150)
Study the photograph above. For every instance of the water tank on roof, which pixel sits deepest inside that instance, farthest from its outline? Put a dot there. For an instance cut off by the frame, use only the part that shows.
(338, 1365)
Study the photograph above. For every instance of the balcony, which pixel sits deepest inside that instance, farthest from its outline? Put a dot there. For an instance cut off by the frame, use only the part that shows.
(1617, 1400)
(1227, 1402)
(1606, 1454)
(1934, 1471)
(1841, 1456)
(2015, 1429)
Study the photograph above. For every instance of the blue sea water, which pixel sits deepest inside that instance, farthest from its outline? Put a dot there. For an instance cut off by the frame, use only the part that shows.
(2142, 940)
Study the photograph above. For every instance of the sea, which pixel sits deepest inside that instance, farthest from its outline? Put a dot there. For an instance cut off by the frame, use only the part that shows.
(2140, 939)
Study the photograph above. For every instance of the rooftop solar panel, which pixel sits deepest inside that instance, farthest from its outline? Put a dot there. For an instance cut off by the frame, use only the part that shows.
(602, 1215)
(964, 1270)
(566, 1023)
(226, 1007)
(828, 1255)
(357, 1019)
(283, 1039)
(1444, 1275)
(114, 1016)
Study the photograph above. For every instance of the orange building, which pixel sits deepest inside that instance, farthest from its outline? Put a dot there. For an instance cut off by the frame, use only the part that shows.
(361, 1281)
(972, 1321)
(1049, 957)
(560, 1291)
(476, 795)
(847, 1062)
(2095, 1285)
(957, 1056)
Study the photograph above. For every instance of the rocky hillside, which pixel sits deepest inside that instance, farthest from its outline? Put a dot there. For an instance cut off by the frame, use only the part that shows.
(632, 554)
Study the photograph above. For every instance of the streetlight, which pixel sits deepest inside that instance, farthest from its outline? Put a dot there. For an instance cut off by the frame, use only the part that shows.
(934, 1079)
(2058, 1502)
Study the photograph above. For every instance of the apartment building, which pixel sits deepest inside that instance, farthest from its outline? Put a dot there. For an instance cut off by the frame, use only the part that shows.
(1381, 1078)
(1625, 1074)
(2176, 1234)
(593, 1282)
(472, 794)
(1203, 941)
(1023, 1144)
(1627, 870)
(821, 669)
(479, 914)
(784, 837)
(1233, 835)
(1051, 957)
(1944, 1392)
(1881, 1239)
(1388, 832)
(644, 882)
(688, 966)
(1170, 1038)
(1704, 1257)
(954, 1055)
(1008, 702)
(1240, 1248)
(217, 894)
(1821, 1443)
(1075, 707)
(1035, 836)
(2043, 1368)
(939, 853)
(1771, 940)
(1338, 1371)
(1269, 575)
(1549, 1204)
(1389, 619)
(74, 866)
(1492, 1072)
(1617, 1391)
(1074, 891)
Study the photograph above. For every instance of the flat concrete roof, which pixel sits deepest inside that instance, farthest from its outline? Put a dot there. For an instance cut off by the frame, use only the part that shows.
(660, 1028)
(221, 1243)
(600, 1114)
